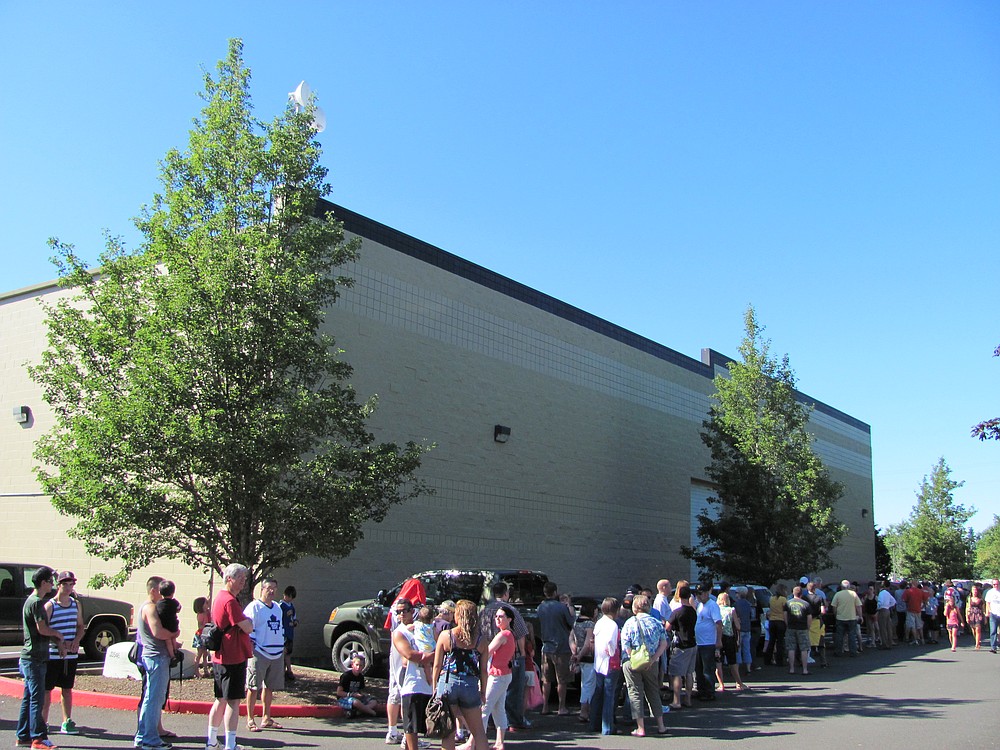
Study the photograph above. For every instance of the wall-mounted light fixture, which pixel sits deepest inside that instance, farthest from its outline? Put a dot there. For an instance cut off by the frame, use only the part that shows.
(864, 512)
(501, 433)
(22, 414)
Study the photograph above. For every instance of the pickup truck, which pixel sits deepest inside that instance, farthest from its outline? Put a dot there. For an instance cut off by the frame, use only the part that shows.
(107, 621)
(357, 626)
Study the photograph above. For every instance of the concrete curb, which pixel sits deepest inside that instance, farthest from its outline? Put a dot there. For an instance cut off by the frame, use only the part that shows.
(15, 689)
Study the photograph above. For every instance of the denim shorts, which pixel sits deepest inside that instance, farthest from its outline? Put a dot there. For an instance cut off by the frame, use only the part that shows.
(460, 690)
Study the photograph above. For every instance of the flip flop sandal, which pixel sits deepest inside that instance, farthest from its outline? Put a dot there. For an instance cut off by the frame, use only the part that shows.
(252, 725)
(271, 724)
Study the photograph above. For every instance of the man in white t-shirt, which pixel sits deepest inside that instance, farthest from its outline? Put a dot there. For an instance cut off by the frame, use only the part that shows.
(993, 607)
(708, 637)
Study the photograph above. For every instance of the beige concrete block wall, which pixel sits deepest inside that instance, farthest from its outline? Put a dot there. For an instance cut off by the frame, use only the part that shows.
(593, 487)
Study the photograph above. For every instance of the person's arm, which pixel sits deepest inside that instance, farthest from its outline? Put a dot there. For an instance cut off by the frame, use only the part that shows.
(439, 651)
(75, 645)
(660, 647)
(483, 671)
(341, 693)
(569, 616)
(624, 638)
(39, 612)
(499, 640)
(736, 621)
(406, 650)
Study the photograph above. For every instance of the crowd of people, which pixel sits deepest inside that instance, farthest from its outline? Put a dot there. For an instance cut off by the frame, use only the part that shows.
(648, 654)
(251, 662)
(637, 658)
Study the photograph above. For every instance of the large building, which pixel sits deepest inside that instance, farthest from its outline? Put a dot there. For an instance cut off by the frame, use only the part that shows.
(564, 443)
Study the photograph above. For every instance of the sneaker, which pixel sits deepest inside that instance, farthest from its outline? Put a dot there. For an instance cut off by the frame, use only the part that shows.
(23, 742)
(392, 737)
(43, 745)
(69, 727)
(422, 744)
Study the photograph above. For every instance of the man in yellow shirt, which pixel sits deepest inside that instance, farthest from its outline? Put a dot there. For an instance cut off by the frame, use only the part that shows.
(846, 605)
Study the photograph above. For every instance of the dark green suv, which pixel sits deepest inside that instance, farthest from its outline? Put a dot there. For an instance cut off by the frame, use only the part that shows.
(358, 626)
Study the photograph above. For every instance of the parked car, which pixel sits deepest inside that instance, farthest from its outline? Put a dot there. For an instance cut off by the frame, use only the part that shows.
(357, 626)
(106, 621)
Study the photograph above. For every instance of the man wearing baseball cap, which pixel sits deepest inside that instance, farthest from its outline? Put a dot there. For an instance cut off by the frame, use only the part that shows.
(31, 729)
(64, 615)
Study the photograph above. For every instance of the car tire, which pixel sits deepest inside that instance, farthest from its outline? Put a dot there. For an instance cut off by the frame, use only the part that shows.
(348, 642)
(101, 636)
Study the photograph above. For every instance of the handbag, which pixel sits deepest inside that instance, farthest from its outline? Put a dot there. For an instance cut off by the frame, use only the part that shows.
(533, 694)
(440, 721)
(615, 661)
(530, 678)
(640, 658)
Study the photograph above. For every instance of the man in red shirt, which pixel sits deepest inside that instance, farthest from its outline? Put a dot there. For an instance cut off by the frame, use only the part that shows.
(915, 598)
(229, 663)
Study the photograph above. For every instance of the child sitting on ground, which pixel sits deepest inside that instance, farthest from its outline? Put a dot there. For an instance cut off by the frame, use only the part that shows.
(351, 694)
(168, 609)
(202, 664)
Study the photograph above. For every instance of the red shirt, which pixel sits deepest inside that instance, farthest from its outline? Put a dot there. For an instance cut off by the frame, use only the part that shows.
(236, 645)
(915, 599)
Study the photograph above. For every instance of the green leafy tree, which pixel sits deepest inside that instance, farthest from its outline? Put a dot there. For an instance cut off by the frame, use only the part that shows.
(990, 428)
(933, 542)
(988, 551)
(202, 414)
(772, 515)
(883, 560)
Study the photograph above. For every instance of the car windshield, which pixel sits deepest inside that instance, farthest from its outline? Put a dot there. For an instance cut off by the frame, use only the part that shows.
(458, 586)
(525, 588)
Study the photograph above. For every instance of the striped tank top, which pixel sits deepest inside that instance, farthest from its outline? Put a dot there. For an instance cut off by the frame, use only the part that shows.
(64, 620)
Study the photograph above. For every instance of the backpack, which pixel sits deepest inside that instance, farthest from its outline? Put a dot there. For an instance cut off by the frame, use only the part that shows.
(210, 637)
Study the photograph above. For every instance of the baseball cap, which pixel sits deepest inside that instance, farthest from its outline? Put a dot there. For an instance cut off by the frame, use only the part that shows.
(804, 580)
(66, 575)
(446, 606)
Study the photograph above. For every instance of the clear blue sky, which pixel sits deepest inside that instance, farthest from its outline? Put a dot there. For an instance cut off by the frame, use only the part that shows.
(659, 164)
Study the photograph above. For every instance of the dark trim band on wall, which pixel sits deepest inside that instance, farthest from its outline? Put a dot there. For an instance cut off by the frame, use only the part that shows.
(435, 256)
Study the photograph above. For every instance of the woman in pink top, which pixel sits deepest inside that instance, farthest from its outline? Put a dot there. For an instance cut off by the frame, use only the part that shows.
(501, 651)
